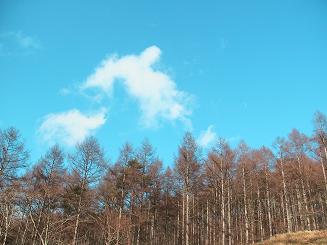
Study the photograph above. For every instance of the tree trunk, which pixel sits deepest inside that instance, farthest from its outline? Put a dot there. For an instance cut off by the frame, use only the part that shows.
(207, 221)
(7, 222)
(268, 205)
(324, 172)
(229, 214)
(77, 220)
(222, 205)
(187, 220)
(246, 219)
(285, 198)
(304, 195)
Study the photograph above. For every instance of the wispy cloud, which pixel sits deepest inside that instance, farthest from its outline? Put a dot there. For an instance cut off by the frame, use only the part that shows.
(70, 127)
(153, 89)
(65, 91)
(234, 139)
(245, 105)
(207, 137)
(17, 43)
(223, 43)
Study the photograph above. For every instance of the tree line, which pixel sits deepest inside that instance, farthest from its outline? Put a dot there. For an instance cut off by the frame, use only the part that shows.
(227, 196)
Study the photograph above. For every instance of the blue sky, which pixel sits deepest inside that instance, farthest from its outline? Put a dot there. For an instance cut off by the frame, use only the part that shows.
(129, 70)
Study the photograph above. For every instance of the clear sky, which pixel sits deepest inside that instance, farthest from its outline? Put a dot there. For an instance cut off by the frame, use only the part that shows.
(129, 70)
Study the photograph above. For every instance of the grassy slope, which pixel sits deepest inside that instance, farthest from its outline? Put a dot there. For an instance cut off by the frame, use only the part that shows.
(304, 237)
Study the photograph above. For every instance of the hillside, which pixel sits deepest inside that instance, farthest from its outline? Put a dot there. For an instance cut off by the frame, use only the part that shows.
(303, 237)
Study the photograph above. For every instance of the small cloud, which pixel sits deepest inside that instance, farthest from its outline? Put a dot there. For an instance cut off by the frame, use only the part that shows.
(64, 91)
(223, 43)
(26, 41)
(153, 25)
(207, 137)
(154, 90)
(70, 127)
(245, 106)
(17, 43)
(234, 139)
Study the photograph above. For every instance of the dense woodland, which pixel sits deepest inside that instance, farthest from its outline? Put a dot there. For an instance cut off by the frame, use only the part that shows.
(226, 196)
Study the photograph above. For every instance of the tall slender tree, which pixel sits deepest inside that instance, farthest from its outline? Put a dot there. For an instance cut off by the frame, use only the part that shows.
(88, 164)
(188, 171)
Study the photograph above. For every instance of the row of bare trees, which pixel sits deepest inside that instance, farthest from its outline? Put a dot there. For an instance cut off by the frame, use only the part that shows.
(227, 196)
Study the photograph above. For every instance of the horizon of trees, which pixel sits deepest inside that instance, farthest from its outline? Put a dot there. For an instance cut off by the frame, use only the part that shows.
(227, 196)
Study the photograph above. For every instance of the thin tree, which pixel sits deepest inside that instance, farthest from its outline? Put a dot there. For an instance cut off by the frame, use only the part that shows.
(88, 163)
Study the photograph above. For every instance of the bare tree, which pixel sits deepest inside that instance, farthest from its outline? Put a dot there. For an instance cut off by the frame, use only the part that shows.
(88, 164)
(13, 155)
(320, 137)
(13, 158)
(188, 169)
(219, 171)
(230, 196)
(47, 179)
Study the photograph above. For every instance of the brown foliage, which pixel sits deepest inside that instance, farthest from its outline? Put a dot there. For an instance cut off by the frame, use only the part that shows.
(227, 196)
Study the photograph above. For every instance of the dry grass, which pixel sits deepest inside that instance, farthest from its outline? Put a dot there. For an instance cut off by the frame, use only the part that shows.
(299, 238)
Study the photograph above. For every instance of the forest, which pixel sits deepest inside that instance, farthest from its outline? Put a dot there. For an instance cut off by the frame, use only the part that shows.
(223, 196)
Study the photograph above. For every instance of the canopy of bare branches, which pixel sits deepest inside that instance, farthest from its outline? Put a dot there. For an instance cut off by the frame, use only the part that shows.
(225, 196)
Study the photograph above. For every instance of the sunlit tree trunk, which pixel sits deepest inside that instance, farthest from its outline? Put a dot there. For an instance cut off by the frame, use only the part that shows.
(246, 219)
(77, 220)
(285, 197)
(222, 203)
(229, 213)
(268, 204)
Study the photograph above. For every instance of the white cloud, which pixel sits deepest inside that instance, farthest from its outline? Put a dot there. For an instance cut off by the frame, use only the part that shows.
(234, 139)
(26, 41)
(155, 92)
(223, 43)
(207, 137)
(65, 91)
(17, 43)
(70, 127)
